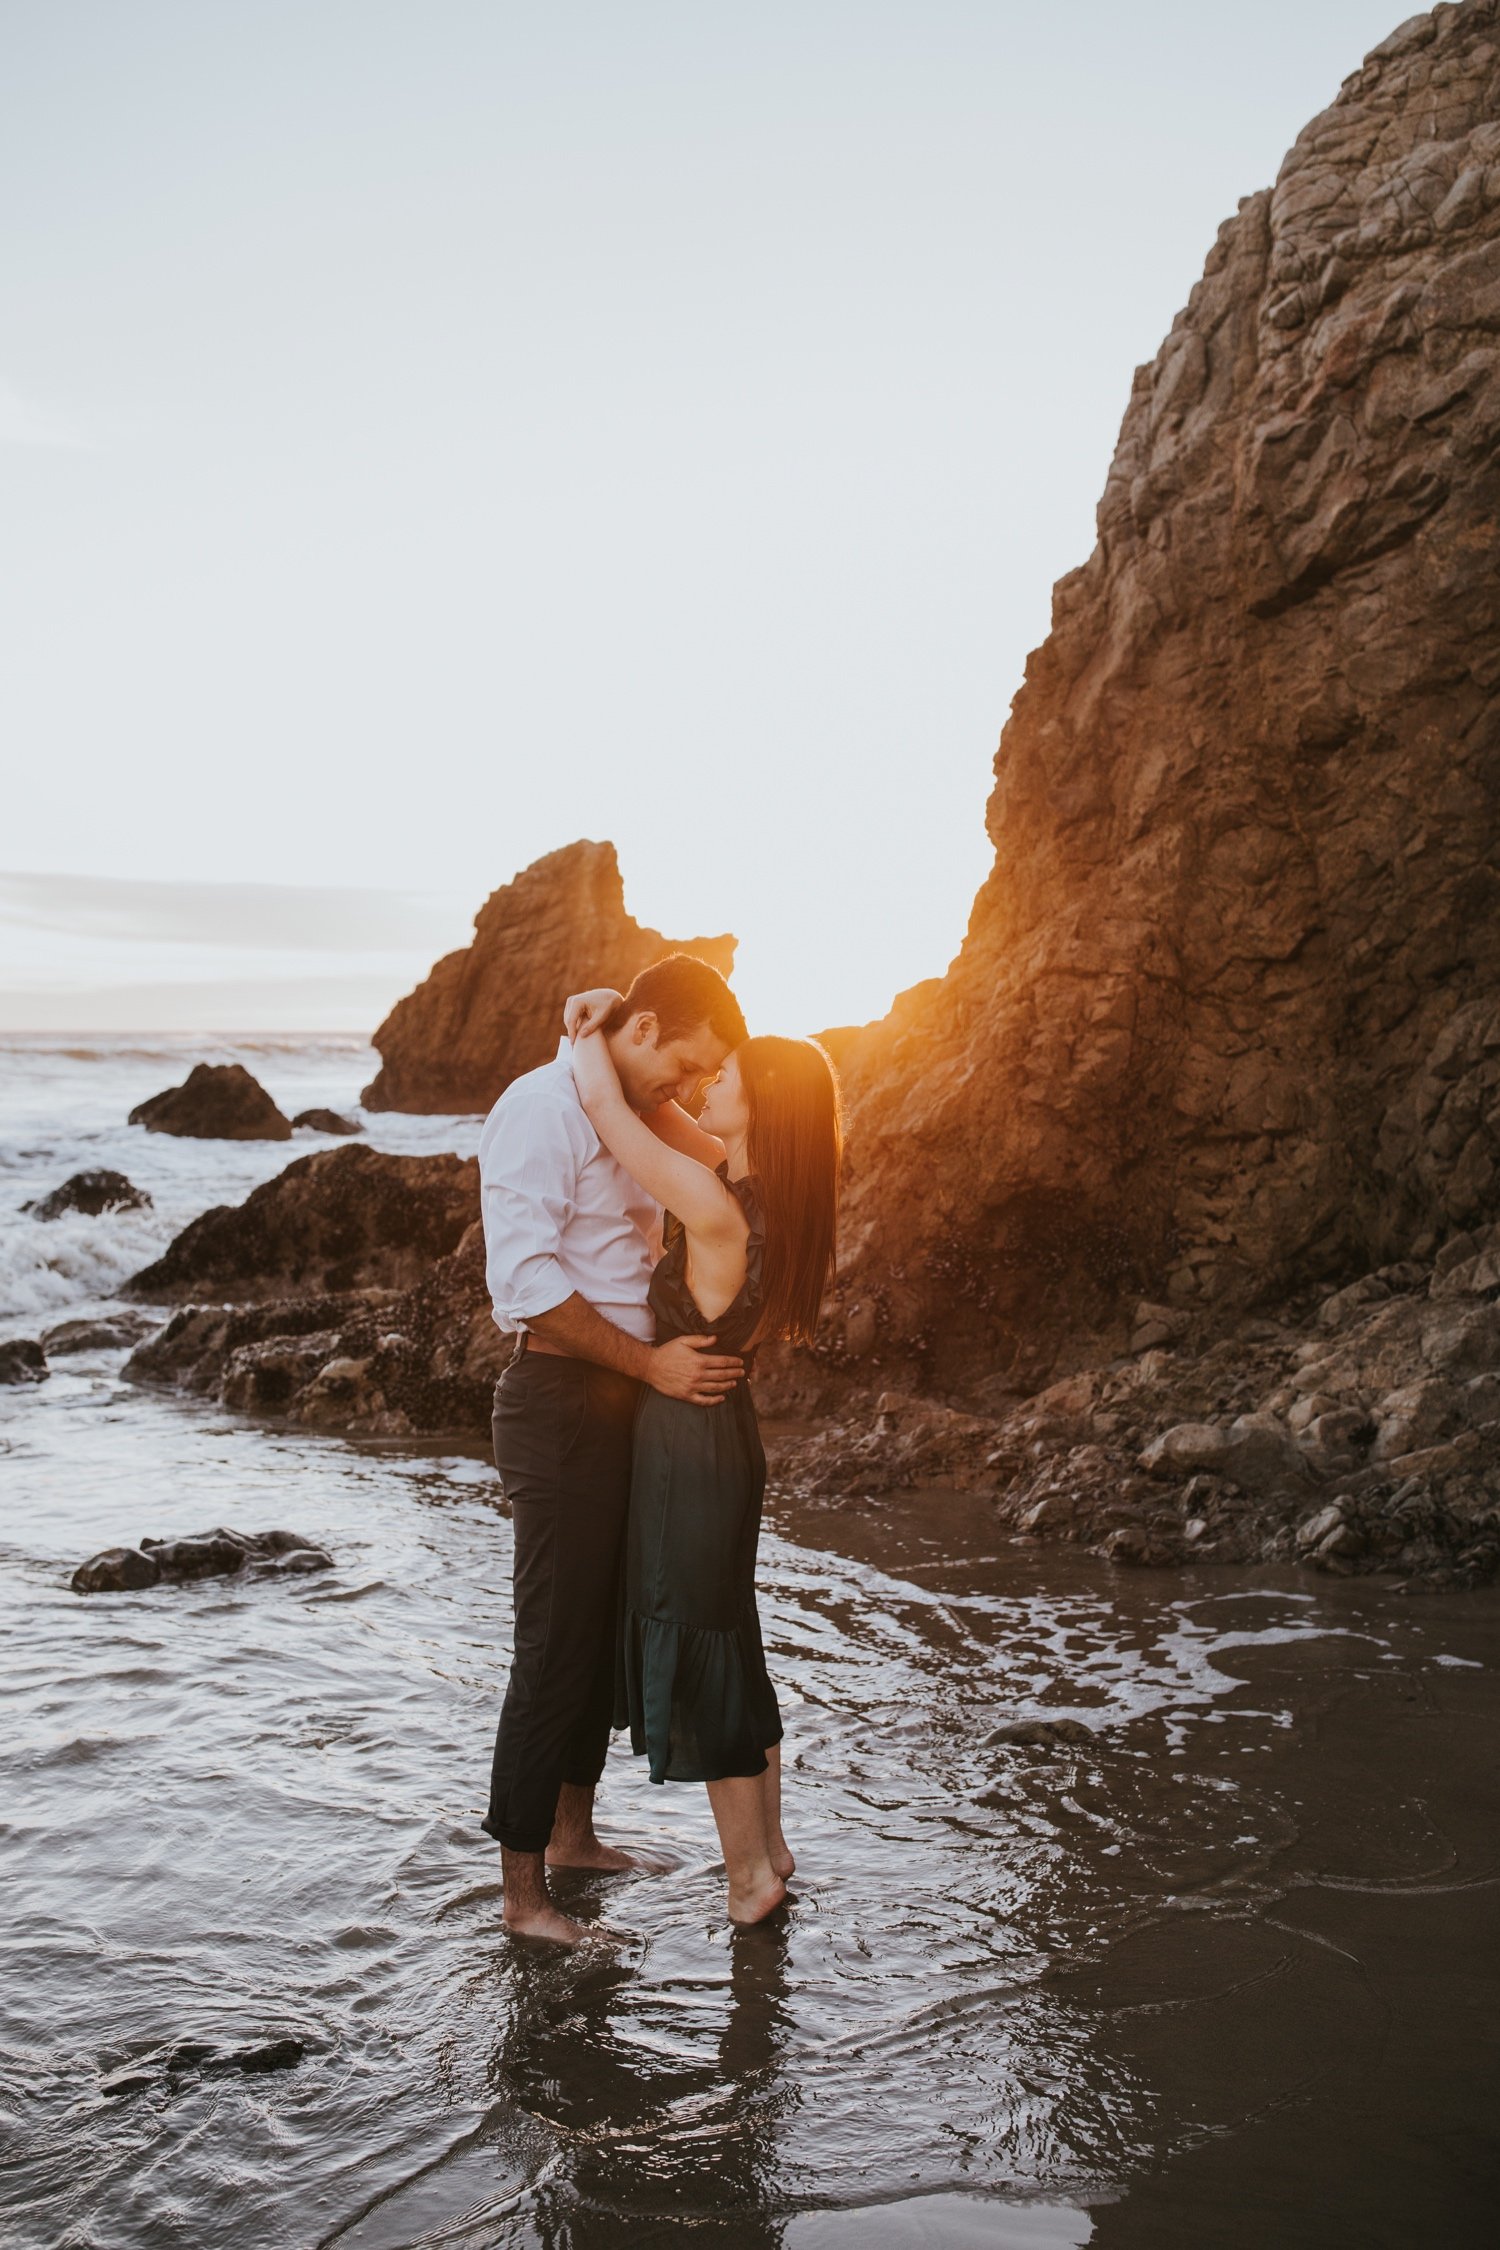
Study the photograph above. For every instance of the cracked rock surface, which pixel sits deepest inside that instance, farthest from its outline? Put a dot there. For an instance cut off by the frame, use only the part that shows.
(1227, 1017)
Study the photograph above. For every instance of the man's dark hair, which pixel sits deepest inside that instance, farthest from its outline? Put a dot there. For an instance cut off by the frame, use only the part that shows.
(682, 994)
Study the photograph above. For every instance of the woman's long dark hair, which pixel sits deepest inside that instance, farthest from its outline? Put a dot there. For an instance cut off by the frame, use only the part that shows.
(793, 1148)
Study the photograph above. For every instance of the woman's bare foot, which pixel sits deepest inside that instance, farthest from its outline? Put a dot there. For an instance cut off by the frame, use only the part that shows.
(752, 1902)
(779, 1853)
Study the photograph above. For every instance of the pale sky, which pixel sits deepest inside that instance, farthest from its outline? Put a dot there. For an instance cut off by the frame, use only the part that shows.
(435, 432)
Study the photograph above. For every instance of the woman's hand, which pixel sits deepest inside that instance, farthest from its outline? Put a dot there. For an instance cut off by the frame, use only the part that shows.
(586, 1011)
(594, 1072)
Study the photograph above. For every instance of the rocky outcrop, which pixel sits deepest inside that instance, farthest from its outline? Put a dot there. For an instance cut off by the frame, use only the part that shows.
(375, 1362)
(91, 1194)
(1227, 1017)
(1355, 1429)
(202, 1554)
(324, 1121)
(489, 1013)
(216, 1102)
(345, 1218)
(348, 1293)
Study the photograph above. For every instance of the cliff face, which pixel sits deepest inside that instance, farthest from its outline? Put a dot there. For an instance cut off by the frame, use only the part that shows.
(489, 1013)
(1227, 1017)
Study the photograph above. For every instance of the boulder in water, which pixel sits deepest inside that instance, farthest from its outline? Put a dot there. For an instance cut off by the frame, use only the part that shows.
(323, 1121)
(91, 1193)
(216, 1102)
(220, 1553)
(116, 1570)
(341, 1219)
(22, 1360)
(164, 2068)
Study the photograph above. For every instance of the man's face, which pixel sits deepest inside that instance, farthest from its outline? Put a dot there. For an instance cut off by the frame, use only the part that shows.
(654, 1070)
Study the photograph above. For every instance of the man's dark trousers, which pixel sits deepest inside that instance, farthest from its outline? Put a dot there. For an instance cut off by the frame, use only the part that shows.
(562, 1445)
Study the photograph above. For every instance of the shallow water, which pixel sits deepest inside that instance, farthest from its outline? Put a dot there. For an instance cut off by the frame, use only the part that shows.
(1221, 1970)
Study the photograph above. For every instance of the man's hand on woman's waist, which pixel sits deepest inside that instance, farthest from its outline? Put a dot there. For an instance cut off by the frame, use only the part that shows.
(686, 1368)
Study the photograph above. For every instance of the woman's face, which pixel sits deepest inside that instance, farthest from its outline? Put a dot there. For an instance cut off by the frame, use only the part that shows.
(726, 1107)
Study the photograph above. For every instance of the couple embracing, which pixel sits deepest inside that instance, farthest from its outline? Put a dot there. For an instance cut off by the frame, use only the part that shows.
(641, 1255)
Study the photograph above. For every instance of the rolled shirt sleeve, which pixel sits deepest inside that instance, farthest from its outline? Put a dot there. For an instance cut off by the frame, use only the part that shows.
(530, 1157)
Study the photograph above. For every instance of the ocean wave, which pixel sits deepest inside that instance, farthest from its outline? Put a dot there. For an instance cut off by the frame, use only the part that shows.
(48, 1267)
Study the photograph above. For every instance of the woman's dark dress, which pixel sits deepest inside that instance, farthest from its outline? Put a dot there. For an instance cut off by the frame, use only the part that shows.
(694, 1690)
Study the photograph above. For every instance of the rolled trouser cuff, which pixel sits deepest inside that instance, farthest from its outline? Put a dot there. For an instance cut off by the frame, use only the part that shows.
(512, 1839)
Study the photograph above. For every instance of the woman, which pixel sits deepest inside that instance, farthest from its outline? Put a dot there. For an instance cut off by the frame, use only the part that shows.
(752, 1198)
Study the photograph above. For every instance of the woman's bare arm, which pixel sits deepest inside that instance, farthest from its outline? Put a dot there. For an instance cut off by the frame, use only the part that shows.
(672, 1124)
(586, 1011)
(683, 1183)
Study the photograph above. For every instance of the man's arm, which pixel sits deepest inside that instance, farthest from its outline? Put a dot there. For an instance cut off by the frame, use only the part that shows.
(684, 1368)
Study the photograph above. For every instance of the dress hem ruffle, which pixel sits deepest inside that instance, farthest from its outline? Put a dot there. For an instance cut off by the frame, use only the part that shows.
(671, 1670)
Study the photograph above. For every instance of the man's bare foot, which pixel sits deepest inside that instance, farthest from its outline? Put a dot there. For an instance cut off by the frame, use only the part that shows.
(754, 1902)
(529, 1911)
(605, 1859)
(547, 1925)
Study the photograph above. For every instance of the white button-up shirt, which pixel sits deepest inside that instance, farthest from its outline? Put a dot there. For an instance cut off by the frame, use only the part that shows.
(560, 1215)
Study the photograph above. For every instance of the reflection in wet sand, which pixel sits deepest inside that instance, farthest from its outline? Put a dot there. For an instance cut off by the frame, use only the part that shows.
(1133, 1909)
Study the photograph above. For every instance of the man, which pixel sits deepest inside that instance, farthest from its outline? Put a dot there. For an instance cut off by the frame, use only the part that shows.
(570, 1243)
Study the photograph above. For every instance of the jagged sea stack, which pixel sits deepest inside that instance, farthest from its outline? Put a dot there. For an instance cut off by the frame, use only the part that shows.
(494, 1010)
(1227, 1016)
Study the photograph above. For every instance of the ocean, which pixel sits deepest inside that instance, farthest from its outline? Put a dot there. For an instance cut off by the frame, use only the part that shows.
(1133, 1908)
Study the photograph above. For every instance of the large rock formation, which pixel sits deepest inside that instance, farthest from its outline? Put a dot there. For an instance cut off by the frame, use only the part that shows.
(489, 1013)
(345, 1218)
(1227, 1017)
(215, 1102)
